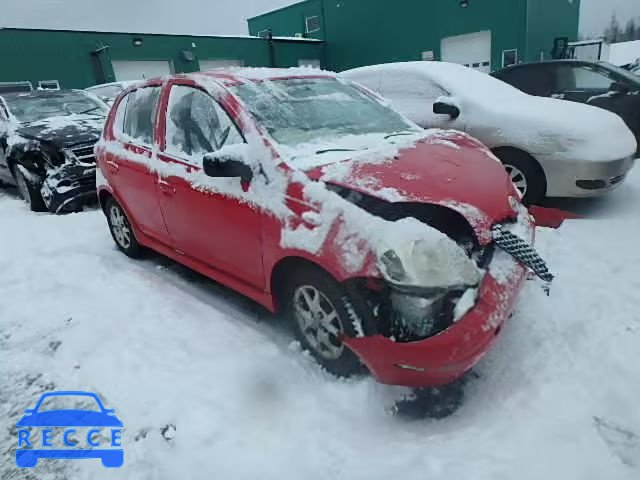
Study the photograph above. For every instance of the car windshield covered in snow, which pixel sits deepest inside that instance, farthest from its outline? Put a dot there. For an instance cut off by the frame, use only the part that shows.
(30, 107)
(297, 111)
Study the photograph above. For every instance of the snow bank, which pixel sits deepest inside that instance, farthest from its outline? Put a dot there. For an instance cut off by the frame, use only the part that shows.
(556, 398)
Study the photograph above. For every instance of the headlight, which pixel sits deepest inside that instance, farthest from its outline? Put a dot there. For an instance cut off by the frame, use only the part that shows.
(393, 267)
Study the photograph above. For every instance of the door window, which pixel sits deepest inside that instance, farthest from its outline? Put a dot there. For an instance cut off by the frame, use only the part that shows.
(197, 124)
(589, 79)
(140, 114)
(410, 85)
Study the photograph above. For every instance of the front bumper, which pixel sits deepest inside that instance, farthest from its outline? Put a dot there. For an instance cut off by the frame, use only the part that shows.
(576, 179)
(69, 188)
(445, 357)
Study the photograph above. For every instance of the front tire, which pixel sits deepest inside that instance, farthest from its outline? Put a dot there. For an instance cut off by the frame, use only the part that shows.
(321, 313)
(525, 173)
(121, 230)
(29, 188)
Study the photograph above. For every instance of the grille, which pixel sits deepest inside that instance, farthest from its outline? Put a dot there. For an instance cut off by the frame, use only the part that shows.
(85, 154)
(616, 180)
(521, 251)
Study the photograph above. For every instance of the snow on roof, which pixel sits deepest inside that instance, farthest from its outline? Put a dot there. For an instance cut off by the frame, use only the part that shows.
(454, 78)
(624, 53)
(259, 73)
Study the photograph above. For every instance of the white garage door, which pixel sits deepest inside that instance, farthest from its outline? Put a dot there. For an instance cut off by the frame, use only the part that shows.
(472, 50)
(140, 69)
(206, 65)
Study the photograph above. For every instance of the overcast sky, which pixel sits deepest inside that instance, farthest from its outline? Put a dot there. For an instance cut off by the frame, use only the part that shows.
(209, 16)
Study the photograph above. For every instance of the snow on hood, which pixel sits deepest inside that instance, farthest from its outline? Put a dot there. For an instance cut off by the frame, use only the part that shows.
(64, 131)
(449, 169)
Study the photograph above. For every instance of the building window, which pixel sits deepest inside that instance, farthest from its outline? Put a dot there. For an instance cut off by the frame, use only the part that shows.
(266, 33)
(48, 85)
(309, 62)
(509, 57)
(312, 24)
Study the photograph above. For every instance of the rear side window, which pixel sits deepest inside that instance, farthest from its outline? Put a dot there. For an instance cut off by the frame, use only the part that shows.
(531, 80)
(196, 124)
(139, 118)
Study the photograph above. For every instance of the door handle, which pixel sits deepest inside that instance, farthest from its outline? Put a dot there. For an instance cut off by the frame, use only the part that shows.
(113, 166)
(166, 187)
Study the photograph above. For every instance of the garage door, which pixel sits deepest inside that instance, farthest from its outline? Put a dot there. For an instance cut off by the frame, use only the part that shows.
(206, 65)
(140, 69)
(472, 50)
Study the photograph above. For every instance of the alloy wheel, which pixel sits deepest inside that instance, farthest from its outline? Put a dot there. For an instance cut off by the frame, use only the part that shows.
(120, 227)
(319, 321)
(518, 178)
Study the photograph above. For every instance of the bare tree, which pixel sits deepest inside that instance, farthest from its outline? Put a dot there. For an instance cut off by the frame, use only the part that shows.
(613, 33)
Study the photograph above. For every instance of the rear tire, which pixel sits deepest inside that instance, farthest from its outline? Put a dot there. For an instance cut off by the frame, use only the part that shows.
(320, 313)
(29, 188)
(526, 174)
(121, 230)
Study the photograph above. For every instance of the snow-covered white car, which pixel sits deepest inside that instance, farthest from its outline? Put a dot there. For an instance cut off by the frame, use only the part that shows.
(107, 92)
(384, 244)
(549, 147)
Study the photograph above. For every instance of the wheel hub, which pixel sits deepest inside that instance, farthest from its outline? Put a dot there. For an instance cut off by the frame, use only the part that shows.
(319, 321)
(518, 178)
(120, 227)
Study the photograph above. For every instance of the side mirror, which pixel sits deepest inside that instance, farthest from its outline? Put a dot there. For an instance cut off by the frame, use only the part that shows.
(226, 166)
(442, 108)
(619, 87)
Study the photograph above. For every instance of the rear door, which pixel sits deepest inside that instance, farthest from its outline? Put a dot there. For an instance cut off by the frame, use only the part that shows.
(128, 168)
(214, 224)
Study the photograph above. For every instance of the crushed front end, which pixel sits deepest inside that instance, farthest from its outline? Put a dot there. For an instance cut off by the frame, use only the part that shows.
(72, 183)
(431, 335)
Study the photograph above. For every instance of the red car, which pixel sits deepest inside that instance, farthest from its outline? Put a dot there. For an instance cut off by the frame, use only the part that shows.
(385, 244)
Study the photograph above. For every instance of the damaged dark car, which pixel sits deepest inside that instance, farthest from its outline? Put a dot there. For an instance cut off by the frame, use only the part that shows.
(46, 147)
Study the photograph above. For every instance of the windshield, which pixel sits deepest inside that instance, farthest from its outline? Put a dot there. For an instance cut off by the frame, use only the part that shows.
(32, 107)
(296, 111)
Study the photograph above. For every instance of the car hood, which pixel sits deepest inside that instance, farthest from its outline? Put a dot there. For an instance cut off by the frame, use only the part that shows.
(549, 126)
(64, 131)
(69, 418)
(454, 170)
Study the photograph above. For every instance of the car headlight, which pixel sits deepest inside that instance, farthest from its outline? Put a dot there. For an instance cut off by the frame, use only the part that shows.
(393, 267)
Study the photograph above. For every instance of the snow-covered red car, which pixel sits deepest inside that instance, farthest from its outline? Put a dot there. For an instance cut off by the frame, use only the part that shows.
(385, 244)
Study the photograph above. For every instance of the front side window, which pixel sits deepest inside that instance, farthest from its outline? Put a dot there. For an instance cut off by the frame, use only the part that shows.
(297, 111)
(411, 85)
(197, 124)
(139, 118)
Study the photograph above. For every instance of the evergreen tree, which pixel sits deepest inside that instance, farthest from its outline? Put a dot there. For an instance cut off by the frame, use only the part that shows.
(613, 33)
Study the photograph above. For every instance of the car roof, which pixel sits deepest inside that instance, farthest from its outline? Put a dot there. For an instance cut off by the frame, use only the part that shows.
(231, 76)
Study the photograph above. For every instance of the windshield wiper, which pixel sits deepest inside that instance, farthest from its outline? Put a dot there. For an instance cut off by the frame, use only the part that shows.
(398, 134)
(336, 150)
(89, 110)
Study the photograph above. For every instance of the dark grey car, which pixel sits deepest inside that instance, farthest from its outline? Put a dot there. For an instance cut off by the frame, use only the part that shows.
(46, 146)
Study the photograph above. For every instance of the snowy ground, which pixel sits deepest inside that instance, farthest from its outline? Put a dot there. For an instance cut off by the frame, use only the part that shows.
(559, 397)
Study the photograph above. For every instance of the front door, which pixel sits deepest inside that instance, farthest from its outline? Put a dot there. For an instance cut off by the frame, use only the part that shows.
(128, 170)
(220, 229)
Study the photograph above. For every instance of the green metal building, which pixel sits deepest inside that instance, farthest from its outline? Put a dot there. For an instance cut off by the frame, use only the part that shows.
(76, 59)
(484, 34)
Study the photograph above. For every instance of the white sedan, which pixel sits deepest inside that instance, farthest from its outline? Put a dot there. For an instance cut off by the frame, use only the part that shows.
(550, 147)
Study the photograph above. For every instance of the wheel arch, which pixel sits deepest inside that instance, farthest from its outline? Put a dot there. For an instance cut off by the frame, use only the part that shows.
(277, 280)
(503, 152)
